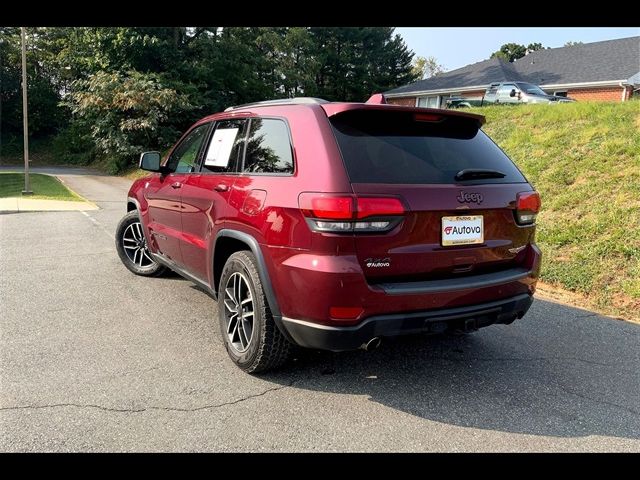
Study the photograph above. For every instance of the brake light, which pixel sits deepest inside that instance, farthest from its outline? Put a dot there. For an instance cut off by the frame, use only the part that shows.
(331, 207)
(349, 213)
(427, 117)
(527, 207)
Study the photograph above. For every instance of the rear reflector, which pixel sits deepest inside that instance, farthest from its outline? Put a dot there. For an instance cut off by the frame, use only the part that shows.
(346, 213)
(527, 207)
(345, 313)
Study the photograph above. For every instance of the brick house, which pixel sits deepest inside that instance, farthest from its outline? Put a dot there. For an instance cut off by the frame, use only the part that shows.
(599, 71)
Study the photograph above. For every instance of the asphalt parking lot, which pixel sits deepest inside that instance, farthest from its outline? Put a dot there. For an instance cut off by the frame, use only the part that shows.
(93, 358)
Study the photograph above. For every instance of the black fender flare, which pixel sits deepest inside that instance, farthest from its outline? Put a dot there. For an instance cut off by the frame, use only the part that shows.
(253, 245)
(134, 201)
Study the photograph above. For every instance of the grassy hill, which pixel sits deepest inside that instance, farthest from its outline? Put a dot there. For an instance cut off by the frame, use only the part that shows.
(584, 159)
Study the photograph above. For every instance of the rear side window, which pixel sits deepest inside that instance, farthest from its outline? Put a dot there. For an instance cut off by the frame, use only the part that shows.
(225, 147)
(268, 147)
(392, 147)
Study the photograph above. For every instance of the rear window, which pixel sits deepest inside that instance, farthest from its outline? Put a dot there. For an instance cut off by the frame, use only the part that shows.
(392, 147)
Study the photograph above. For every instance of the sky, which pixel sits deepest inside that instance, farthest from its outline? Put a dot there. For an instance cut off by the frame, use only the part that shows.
(457, 47)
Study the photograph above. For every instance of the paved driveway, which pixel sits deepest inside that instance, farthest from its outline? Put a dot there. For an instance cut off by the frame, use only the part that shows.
(93, 358)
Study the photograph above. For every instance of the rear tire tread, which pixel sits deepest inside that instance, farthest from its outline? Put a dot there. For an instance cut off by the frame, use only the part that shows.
(273, 347)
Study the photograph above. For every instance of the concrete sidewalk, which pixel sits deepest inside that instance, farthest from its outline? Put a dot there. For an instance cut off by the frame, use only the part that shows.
(19, 204)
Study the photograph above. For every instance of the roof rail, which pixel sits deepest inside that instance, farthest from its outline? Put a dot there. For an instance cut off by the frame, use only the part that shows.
(280, 101)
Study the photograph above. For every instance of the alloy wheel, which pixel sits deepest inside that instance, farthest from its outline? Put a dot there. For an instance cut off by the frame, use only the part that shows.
(238, 312)
(135, 246)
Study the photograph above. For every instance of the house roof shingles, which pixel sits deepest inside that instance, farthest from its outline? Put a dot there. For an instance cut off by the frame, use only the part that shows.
(588, 62)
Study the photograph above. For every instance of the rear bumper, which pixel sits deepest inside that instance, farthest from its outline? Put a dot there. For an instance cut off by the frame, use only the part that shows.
(338, 281)
(466, 318)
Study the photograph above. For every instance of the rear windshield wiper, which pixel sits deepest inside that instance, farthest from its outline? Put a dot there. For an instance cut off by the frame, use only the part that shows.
(473, 173)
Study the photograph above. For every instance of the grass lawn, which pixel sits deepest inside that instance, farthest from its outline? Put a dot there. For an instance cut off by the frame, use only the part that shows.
(44, 187)
(584, 159)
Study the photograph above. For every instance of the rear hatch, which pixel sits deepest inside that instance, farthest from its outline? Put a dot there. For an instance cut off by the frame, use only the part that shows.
(456, 185)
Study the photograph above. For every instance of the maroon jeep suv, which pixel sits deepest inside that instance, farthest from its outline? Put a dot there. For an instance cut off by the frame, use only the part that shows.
(331, 225)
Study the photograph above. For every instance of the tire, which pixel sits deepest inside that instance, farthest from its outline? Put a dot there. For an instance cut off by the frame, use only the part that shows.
(132, 247)
(264, 347)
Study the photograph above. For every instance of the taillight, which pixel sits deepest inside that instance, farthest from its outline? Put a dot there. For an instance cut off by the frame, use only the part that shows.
(329, 207)
(348, 213)
(378, 206)
(527, 207)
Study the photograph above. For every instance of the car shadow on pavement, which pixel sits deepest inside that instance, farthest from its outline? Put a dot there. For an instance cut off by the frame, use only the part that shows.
(560, 371)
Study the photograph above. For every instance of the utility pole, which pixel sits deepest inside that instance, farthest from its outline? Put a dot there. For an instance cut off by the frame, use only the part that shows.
(25, 121)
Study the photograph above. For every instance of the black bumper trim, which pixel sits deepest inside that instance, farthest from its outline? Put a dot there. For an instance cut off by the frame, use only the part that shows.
(449, 284)
(325, 337)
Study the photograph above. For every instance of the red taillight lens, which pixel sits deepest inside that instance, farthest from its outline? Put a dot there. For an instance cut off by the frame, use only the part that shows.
(335, 208)
(527, 207)
(378, 206)
(529, 201)
(345, 213)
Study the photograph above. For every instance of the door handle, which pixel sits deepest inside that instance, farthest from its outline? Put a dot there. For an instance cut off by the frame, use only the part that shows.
(176, 185)
(222, 187)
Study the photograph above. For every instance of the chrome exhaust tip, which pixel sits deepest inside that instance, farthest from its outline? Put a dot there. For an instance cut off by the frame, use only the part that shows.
(372, 344)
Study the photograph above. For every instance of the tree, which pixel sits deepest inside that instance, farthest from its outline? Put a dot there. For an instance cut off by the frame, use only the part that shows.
(510, 52)
(354, 62)
(426, 67)
(78, 78)
(571, 43)
(45, 116)
(126, 112)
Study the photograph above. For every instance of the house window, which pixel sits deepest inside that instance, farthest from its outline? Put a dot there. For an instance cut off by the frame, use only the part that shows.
(429, 102)
(560, 93)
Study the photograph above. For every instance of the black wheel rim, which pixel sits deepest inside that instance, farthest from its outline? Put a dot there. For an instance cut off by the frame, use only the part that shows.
(238, 312)
(135, 246)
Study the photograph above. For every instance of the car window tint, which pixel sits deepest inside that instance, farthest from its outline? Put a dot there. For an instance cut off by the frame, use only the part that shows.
(268, 147)
(392, 147)
(184, 157)
(225, 147)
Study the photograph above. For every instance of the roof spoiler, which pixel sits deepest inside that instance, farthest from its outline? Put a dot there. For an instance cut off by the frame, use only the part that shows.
(377, 99)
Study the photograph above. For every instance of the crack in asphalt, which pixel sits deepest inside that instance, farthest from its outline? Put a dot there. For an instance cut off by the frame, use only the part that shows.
(145, 409)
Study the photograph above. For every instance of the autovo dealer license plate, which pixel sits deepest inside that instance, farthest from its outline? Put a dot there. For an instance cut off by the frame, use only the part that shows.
(464, 230)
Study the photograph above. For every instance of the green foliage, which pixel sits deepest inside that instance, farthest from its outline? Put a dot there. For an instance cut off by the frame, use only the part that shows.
(426, 67)
(510, 52)
(125, 113)
(73, 145)
(584, 159)
(172, 76)
(45, 187)
(44, 115)
(356, 62)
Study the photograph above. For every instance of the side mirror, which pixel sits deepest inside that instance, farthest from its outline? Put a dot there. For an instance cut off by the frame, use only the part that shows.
(150, 161)
(513, 93)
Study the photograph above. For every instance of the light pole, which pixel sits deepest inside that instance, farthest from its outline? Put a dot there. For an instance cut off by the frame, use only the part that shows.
(25, 121)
